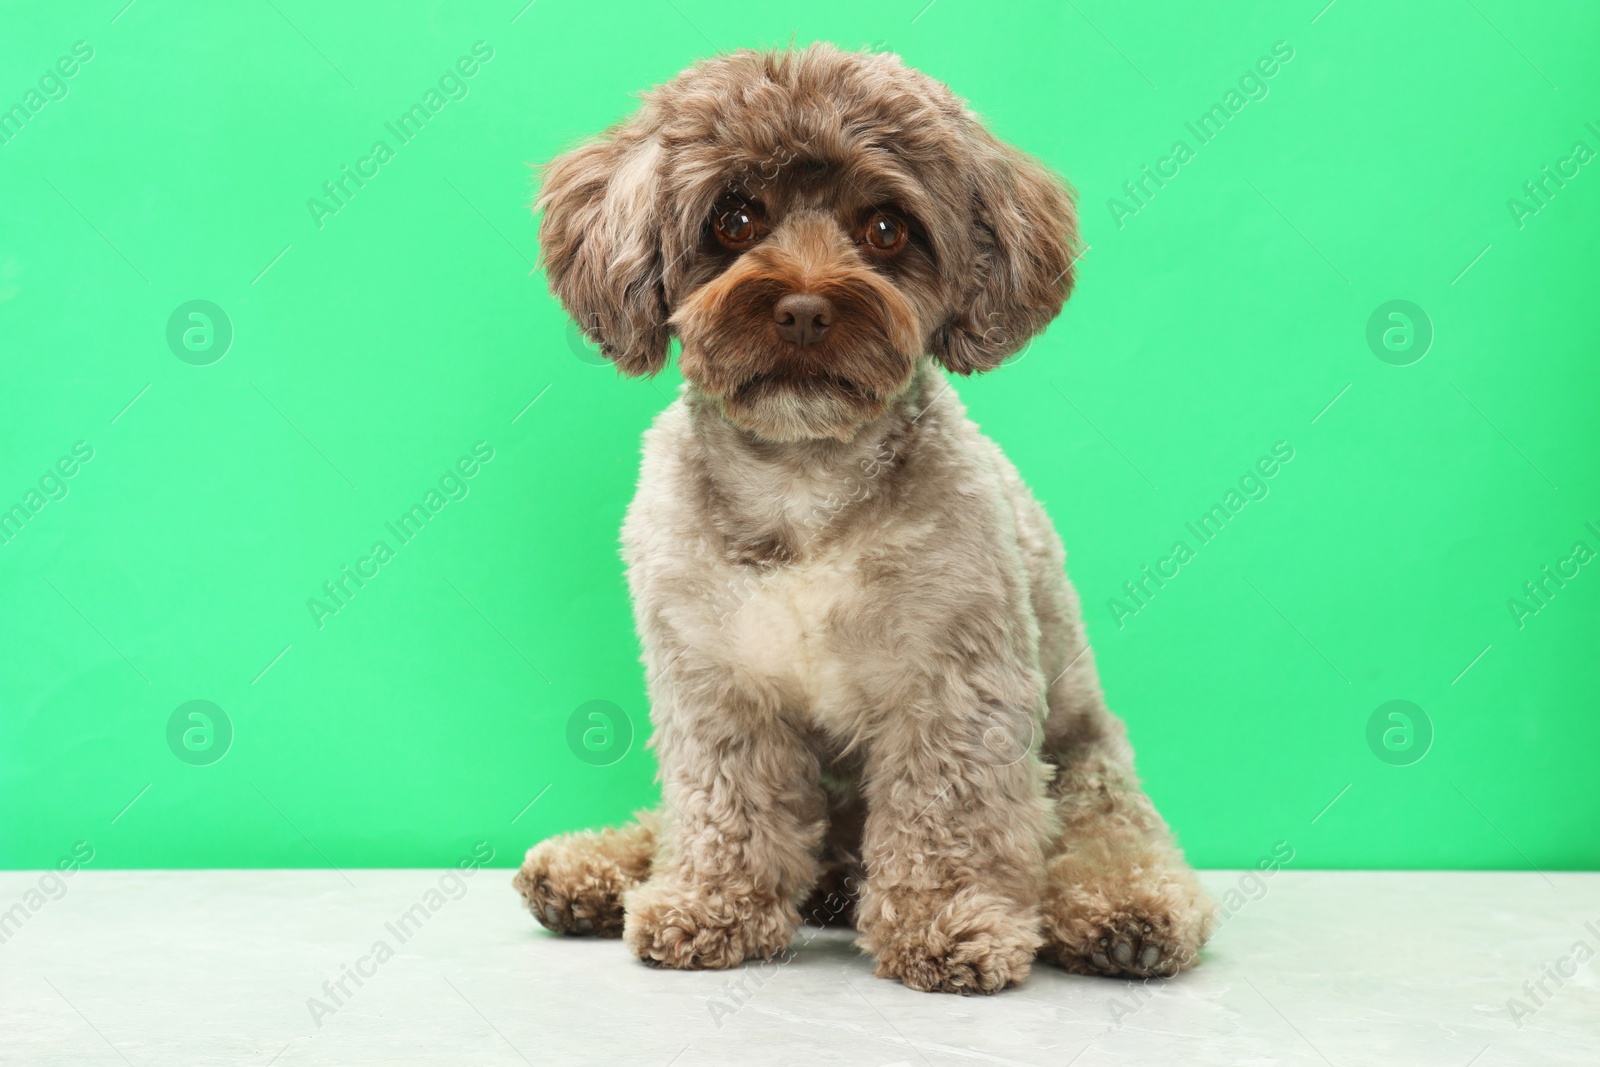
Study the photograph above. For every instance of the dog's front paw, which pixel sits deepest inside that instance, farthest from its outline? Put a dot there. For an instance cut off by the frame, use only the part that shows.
(701, 928)
(573, 884)
(967, 942)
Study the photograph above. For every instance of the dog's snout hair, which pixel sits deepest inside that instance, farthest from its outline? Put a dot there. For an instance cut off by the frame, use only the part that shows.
(736, 351)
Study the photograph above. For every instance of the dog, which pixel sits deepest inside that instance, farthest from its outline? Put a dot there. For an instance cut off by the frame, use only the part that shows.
(872, 698)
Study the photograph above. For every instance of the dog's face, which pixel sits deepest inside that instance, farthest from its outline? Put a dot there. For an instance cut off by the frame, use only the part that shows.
(809, 224)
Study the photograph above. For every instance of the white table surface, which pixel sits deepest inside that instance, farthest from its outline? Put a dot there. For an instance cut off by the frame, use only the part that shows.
(1327, 968)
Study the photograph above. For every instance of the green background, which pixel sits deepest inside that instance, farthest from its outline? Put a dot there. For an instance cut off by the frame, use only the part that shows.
(1227, 314)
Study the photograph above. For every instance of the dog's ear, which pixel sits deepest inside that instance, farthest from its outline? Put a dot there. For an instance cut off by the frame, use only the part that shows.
(1024, 240)
(600, 245)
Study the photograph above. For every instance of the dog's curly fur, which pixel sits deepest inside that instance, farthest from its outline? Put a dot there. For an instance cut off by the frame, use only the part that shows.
(872, 696)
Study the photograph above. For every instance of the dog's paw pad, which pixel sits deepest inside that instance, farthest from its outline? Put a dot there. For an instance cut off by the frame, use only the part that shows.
(1129, 946)
(568, 897)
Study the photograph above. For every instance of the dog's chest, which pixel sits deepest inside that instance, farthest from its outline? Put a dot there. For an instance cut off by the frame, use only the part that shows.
(782, 626)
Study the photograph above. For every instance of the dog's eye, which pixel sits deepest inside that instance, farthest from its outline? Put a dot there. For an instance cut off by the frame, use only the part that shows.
(884, 233)
(736, 226)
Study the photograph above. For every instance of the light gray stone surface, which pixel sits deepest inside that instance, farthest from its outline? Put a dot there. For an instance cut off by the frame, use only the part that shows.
(221, 967)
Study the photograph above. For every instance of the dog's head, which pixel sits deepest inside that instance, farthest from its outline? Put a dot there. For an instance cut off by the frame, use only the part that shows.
(809, 223)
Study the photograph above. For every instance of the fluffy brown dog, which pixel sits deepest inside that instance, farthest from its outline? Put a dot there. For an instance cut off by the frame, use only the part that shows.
(869, 682)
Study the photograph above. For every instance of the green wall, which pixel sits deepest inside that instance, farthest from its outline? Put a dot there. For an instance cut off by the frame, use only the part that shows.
(375, 353)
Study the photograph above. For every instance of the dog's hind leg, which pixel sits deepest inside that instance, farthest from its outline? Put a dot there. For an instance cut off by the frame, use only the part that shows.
(1119, 899)
(574, 883)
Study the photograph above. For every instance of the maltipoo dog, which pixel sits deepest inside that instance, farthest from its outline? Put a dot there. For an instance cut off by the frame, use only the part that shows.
(871, 695)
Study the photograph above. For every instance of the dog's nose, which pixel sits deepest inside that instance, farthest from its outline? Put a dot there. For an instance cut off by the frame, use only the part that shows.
(802, 318)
